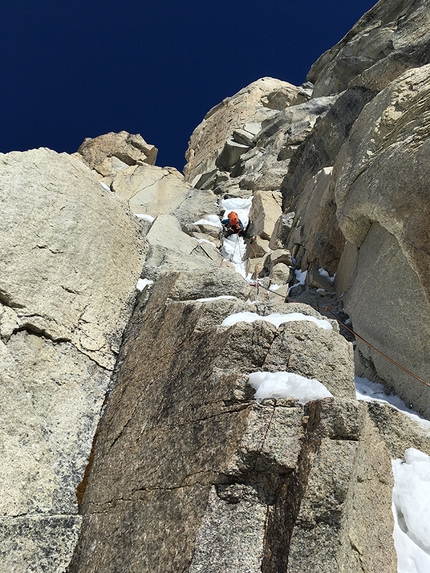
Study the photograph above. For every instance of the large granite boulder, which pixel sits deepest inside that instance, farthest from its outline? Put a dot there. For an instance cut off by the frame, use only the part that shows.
(191, 474)
(71, 257)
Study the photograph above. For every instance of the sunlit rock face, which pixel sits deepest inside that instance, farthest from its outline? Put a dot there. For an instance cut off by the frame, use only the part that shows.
(232, 125)
(389, 39)
(155, 431)
(67, 287)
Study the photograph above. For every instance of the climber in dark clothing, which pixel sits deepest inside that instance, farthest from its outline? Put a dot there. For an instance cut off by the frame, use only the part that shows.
(233, 225)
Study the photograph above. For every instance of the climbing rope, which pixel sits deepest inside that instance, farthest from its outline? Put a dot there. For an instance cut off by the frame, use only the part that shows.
(327, 309)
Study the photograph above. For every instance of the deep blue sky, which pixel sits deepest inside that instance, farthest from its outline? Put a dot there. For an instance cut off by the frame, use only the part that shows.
(81, 68)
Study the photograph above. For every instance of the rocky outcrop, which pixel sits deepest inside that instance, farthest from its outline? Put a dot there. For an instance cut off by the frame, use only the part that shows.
(255, 157)
(111, 153)
(243, 112)
(378, 203)
(71, 257)
(216, 483)
(150, 190)
(189, 469)
(389, 39)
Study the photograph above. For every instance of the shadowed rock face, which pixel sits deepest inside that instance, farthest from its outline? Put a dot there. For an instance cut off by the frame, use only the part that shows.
(369, 222)
(196, 476)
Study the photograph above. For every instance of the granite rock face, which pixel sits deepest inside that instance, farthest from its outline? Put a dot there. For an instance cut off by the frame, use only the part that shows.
(111, 153)
(389, 39)
(245, 111)
(381, 191)
(67, 288)
(216, 484)
(150, 190)
(186, 471)
(357, 186)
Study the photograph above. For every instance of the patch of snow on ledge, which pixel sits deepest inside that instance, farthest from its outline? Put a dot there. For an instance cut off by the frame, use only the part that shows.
(145, 217)
(276, 319)
(212, 220)
(325, 274)
(411, 510)
(285, 385)
(105, 187)
(373, 392)
(142, 283)
(301, 277)
(210, 299)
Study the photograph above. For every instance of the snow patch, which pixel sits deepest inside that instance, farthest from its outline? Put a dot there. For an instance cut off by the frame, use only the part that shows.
(145, 217)
(373, 392)
(205, 241)
(411, 509)
(142, 283)
(240, 206)
(210, 299)
(234, 248)
(325, 274)
(301, 277)
(286, 384)
(105, 187)
(212, 220)
(276, 319)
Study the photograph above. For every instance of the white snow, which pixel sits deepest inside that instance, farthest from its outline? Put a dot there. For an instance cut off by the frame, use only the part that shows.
(325, 274)
(205, 241)
(145, 217)
(233, 250)
(276, 319)
(105, 187)
(411, 492)
(286, 384)
(411, 509)
(210, 299)
(142, 283)
(373, 392)
(212, 220)
(301, 277)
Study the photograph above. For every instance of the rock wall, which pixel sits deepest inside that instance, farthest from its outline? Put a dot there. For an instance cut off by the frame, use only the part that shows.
(368, 221)
(185, 470)
(190, 474)
(71, 257)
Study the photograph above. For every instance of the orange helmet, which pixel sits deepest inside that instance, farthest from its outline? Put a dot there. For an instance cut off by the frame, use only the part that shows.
(233, 218)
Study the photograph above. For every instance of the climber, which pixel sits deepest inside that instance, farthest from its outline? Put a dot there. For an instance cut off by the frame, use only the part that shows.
(233, 225)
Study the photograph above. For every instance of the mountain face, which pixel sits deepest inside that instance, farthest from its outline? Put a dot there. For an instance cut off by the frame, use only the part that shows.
(132, 438)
